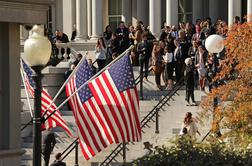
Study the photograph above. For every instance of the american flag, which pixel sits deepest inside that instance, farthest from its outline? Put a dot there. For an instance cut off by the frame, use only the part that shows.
(54, 120)
(106, 109)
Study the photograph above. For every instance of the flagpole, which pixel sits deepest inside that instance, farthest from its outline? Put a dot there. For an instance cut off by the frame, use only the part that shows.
(63, 86)
(27, 96)
(119, 57)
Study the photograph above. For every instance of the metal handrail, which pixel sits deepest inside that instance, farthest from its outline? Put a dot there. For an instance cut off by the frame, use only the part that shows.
(161, 103)
(72, 146)
(210, 131)
(69, 146)
(145, 120)
(137, 80)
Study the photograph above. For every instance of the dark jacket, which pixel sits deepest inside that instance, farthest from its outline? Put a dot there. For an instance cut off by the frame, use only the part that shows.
(185, 45)
(178, 54)
(192, 52)
(107, 35)
(163, 36)
(58, 163)
(123, 37)
(201, 37)
(48, 143)
(63, 38)
(148, 45)
(189, 76)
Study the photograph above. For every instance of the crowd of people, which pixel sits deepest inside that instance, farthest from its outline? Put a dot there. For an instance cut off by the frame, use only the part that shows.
(178, 54)
(165, 54)
(168, 52)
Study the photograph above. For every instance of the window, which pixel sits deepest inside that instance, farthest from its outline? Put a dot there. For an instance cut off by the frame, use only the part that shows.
(114, 13)
(185, 10)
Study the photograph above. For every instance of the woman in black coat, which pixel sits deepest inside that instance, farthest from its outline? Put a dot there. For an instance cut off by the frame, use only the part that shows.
(189, 81)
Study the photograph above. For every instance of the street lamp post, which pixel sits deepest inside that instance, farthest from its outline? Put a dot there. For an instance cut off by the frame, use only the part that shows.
(37, 51)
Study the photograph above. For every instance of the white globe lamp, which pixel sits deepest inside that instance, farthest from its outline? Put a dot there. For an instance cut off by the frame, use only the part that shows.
(37, 48)
(214, 44)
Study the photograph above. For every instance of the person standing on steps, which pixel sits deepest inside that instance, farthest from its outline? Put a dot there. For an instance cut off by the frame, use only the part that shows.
(48, 143)
(100, 52)
(189, 81)
(157, 65)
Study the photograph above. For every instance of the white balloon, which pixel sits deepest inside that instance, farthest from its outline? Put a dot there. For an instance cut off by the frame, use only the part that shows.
(214, 44)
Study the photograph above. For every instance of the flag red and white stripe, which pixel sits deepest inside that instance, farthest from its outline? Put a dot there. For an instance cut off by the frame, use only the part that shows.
(56, 119)
(105, 113)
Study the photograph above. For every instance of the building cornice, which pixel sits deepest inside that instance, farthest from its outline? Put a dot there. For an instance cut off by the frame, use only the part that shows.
(24, 12)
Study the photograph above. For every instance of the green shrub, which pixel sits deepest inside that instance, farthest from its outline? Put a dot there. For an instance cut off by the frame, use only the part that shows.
(186, 152)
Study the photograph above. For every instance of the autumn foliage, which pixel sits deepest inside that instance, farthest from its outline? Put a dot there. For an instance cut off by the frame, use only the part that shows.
(234, 111)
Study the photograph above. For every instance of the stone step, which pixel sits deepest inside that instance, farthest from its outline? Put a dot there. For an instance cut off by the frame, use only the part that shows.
(26, 163)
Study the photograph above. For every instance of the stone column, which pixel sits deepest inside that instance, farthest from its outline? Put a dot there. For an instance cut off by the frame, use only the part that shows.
(141, 11)
(89, 17)
(214, 10)
(231, 15)
(53, 18)
(74, 12)
(155, 17)
(126, 11)
(59, 15)
(197, 10)
(81, 20)
(97, 18)
(10, 151)
(171, 12)
(134, 12)
(237, 9)
(68, 18)
(234, 9)
(249, 10)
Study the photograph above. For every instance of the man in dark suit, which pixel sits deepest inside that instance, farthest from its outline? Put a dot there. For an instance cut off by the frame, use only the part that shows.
(48, 144)
(123, 36)
(61, 37)
(58, 161)
(148, 45)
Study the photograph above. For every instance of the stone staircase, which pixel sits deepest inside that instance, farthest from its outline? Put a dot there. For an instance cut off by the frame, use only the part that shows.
(170, 120)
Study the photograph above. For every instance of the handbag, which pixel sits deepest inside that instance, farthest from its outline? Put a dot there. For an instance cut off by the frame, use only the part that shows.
(158, 69)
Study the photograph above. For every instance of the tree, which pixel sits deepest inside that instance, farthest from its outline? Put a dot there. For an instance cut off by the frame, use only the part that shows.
(236, 70)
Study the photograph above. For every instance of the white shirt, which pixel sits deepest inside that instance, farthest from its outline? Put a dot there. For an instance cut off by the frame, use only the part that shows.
(168, 57)
(101, 53)
(191, 128)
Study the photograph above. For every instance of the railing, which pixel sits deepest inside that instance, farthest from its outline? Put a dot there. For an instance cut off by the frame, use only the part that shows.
(215, 104)
(60, 52)
(66, 152)
(145, 121)
(161, 103)
(137, 80)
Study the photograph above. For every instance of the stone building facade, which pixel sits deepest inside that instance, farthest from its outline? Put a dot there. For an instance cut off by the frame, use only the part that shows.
(92, 16)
